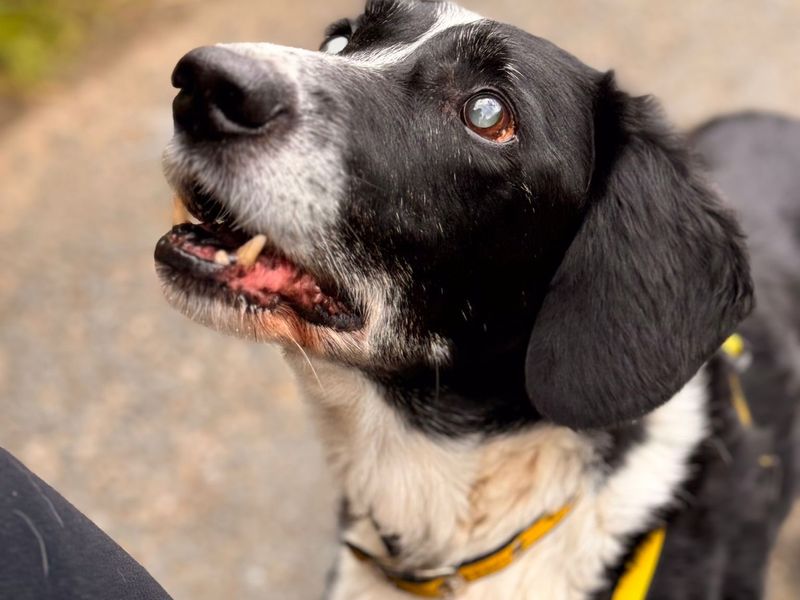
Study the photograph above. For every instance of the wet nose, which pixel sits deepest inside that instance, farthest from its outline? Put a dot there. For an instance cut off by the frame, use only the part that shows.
(223, 93)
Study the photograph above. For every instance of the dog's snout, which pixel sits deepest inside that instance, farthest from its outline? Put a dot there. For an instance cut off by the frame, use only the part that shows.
(225, 93)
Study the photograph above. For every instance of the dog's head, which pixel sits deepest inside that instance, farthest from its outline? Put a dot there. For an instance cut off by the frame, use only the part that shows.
(481, 223)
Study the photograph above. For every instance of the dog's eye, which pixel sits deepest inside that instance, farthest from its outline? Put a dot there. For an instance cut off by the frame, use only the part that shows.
(335, 44)
(488, 116)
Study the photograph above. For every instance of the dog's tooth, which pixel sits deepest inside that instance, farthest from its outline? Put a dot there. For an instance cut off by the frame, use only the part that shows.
(179, 213)
(248, 254)
(222, 258)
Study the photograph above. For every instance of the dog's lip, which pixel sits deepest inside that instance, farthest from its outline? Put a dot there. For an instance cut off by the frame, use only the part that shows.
(208, 260)
(203, 206)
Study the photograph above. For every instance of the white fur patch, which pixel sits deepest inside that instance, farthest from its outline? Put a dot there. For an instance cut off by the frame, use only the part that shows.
(448, 16)
(451, 500)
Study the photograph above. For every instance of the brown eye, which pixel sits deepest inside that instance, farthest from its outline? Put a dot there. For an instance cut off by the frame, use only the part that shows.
(489, 117)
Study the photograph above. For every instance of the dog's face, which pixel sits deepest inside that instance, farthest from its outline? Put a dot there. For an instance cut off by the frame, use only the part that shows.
(461, 210)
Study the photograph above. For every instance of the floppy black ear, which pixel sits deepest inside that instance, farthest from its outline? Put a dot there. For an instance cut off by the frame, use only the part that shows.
(655, 279)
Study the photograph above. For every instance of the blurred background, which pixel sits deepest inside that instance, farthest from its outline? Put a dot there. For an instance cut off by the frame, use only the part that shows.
(193, 450)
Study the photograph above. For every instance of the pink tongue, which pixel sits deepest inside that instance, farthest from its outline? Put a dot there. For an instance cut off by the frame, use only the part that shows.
(268, 275)
(275, 277)
(268, 279)
(204, 252)
(264, 280)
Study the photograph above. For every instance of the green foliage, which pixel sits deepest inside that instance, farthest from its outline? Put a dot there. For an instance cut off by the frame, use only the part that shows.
(38, 37)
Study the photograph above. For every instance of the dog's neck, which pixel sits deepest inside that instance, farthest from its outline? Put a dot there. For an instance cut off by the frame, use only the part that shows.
(416, 501)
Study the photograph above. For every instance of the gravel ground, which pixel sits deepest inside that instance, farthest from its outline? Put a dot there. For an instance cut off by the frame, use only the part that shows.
(194, 450)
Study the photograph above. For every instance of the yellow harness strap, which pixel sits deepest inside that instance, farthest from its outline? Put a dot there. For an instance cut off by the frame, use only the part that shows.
(734, 347)
(635, 582)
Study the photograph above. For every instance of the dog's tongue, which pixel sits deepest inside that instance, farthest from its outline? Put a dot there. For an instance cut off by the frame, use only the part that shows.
(252, 270)
(261, 277)
(221, 261)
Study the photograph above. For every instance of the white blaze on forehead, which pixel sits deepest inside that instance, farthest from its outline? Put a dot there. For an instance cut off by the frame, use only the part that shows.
(448, 16)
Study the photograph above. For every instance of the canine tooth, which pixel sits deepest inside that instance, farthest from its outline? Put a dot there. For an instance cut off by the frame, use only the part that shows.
(248, 254)
(179, 213)
(222, 258)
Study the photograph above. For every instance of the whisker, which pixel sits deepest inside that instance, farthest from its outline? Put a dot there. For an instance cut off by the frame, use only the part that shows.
(310, 364)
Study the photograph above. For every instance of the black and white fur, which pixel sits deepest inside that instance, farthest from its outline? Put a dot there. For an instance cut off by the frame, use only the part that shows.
(541, 317)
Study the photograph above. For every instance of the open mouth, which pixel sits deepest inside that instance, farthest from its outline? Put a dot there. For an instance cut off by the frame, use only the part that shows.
(217, 260)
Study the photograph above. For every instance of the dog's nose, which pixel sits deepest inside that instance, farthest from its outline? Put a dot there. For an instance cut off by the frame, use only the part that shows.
(223, 93)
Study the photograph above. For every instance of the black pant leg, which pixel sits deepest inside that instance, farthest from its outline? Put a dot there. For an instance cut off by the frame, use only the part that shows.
(50, 551)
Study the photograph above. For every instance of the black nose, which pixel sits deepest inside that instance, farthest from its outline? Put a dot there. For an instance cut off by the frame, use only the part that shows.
(223, 93)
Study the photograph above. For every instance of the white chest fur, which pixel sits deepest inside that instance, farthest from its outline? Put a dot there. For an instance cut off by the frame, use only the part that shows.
(448, 501)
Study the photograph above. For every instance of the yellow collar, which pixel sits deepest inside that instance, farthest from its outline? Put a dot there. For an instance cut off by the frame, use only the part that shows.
(633, 585)
(444, 583)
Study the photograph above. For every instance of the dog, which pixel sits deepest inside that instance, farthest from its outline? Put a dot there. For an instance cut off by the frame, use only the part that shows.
(513, 295)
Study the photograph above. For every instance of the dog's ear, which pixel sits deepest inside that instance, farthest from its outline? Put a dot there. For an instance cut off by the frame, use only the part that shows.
(654, 280)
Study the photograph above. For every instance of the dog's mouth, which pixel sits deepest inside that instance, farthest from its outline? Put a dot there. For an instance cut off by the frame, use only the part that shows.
(217, 260)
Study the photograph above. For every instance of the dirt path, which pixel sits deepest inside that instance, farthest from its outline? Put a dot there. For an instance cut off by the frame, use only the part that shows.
(191, 449)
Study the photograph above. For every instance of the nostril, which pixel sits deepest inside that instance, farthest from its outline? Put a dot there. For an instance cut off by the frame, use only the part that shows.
(248, 108)
(222, 92)
(229, 99)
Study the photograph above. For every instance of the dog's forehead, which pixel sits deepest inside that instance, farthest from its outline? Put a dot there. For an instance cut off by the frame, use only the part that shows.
(414, 23)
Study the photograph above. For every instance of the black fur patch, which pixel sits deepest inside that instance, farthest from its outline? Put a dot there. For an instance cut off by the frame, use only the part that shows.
(654, 276)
